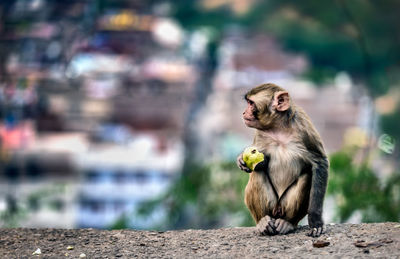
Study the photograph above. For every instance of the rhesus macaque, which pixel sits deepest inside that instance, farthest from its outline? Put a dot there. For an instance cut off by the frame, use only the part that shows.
(292, 179)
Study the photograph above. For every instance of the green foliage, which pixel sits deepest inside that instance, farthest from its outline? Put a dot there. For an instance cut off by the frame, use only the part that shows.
(192, 16)
(204, 197)
(121, 223)
(390, 123)
(20, 209)
(13, 217)
(357, 188)
(353, 36)
(224, 197)
(324, 46)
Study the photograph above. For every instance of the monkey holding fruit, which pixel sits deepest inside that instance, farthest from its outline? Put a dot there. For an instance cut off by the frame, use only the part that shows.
(290, 182)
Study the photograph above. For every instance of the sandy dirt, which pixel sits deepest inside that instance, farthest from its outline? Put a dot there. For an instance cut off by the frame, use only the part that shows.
(341, 240)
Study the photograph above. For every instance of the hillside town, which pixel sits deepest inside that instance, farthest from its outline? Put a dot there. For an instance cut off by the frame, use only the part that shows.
(101, 97)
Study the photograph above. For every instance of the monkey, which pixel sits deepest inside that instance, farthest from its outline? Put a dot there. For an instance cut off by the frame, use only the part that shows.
(292, 180)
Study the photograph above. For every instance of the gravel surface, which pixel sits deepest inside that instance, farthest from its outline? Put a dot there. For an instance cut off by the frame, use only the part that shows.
(340, 241)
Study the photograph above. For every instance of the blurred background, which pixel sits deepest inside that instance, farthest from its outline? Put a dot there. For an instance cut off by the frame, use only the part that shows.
(127, 113)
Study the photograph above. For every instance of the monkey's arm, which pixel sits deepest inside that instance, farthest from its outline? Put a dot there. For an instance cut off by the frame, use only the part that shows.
(319, 182)
(318, 188)
(263, 165)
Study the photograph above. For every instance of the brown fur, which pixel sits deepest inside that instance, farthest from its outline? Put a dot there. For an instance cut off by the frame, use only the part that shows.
(297, 167)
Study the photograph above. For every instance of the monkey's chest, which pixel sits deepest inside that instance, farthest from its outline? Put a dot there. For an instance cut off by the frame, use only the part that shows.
(285, 164)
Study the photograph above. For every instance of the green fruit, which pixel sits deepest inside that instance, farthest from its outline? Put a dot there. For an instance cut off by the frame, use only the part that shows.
(251, 156)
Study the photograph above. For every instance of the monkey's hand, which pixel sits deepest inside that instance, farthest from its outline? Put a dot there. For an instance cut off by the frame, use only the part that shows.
(316, 224)
(241, 164)
(266, 226)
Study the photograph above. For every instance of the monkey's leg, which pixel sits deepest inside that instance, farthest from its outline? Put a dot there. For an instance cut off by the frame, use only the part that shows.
(283, 227)
(293, 205)
(266, 226)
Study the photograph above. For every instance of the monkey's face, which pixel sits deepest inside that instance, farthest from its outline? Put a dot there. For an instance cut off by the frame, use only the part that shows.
(265, 108)
(250, 114)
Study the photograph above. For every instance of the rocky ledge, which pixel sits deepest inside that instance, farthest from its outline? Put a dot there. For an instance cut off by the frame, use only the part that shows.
(340, 240)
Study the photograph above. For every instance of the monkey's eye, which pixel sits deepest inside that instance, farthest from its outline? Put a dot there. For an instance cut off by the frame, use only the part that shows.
(253, 151)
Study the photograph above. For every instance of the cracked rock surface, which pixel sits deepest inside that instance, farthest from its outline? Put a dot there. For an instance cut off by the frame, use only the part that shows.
(377, 240)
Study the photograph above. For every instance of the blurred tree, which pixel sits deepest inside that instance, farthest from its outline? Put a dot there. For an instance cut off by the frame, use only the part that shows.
(21, 209)
(358, 189)
(390, 125)
(359, 37)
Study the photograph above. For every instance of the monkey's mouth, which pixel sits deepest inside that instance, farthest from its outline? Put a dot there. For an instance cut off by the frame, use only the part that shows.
(248, 119)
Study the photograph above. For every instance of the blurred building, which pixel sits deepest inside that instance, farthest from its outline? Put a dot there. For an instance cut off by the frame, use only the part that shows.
(97, 95)
(96, 105)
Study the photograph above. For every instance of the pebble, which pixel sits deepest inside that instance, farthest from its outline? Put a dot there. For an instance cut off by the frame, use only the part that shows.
(37, 252)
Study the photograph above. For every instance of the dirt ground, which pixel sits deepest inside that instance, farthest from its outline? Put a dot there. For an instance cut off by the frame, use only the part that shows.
(341, 240)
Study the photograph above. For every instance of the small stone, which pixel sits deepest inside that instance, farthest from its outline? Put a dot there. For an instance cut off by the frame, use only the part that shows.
(37, 252)
(274, 249)
(386, 240)
(82, 255)
(320, 243)
(308, 242)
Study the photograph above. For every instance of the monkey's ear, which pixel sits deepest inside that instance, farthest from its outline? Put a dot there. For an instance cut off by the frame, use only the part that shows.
(281, 101)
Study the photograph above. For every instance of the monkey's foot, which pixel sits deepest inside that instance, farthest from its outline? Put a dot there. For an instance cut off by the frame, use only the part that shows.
(316, 232)
(283, 227)
(266, 226)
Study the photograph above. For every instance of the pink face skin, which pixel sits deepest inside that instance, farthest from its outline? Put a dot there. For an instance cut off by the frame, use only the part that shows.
(248, 115)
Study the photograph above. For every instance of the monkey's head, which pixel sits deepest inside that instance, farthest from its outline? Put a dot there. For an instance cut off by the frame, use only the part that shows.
(267, 105)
